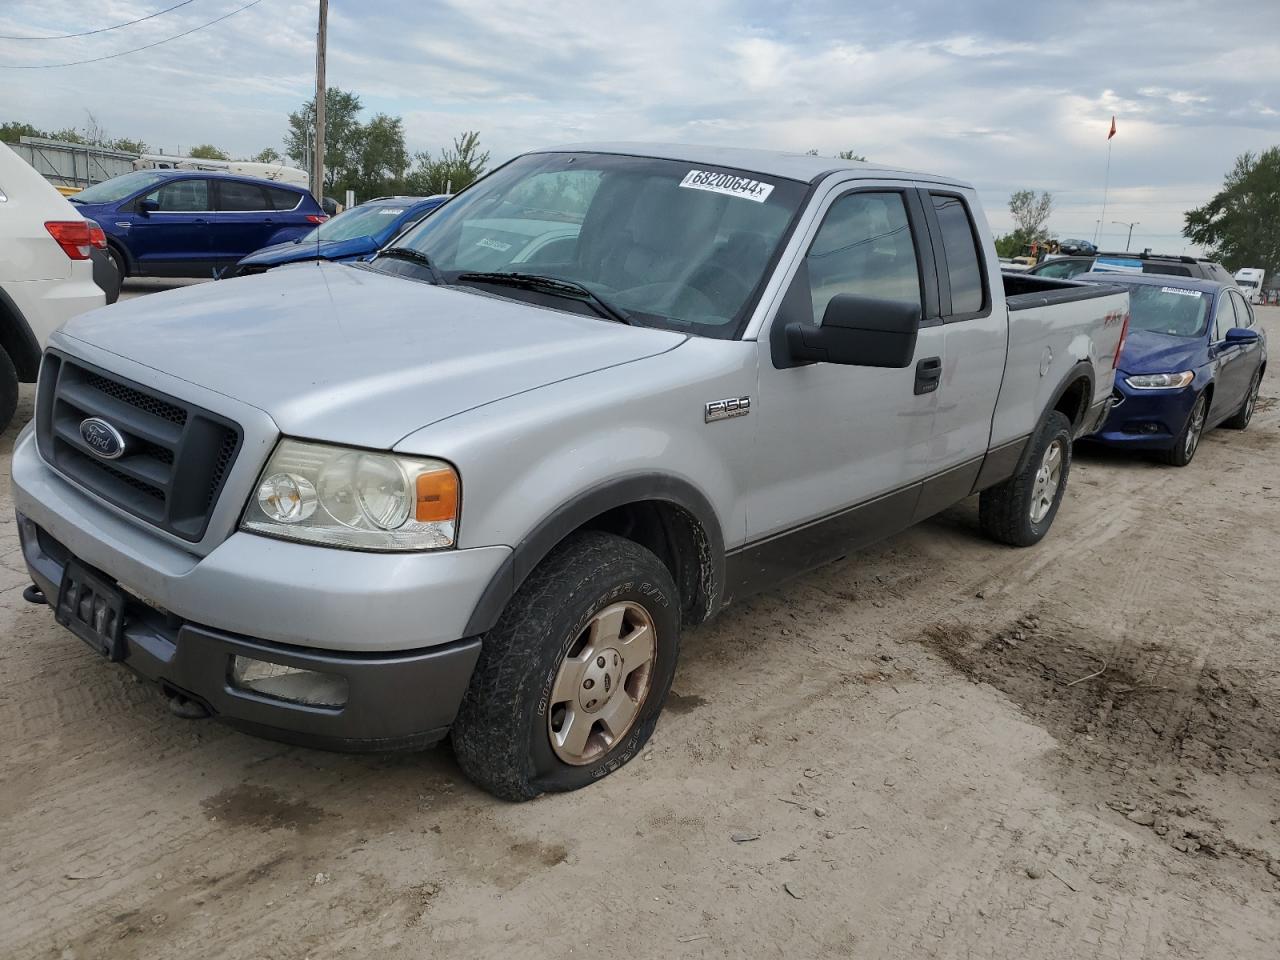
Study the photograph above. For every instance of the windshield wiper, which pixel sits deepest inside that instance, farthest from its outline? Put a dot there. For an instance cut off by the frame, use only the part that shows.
(555, 286)
(415, 256)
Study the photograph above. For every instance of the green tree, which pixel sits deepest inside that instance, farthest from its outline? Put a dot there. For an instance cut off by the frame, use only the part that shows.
(850, 155)
(343, 135)
(457, 167)
(68, 135)
(266, 155)
(1240, 222)
(383, 159)
(14, 130)
(1009, 245)
(1030, 215)
(207, 151)
(125, 145)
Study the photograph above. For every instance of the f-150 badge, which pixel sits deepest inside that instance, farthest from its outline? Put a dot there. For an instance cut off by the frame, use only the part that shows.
(724, 409)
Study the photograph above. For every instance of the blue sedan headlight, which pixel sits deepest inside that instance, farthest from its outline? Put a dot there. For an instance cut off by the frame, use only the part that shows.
(1160, 381)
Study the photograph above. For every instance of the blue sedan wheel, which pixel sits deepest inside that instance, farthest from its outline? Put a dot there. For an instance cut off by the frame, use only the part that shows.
(1242, 417)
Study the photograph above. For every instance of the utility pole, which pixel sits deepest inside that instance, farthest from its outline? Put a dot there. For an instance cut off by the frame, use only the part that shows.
(1125, 223)
(317, 182)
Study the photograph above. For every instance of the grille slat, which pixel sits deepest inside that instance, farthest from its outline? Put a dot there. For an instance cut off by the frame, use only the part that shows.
(177, 455)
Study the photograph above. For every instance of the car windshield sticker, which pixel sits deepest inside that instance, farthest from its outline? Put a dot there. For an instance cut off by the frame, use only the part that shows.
(493, 244)
(390, 211)
(728, 184)
(1180, 292)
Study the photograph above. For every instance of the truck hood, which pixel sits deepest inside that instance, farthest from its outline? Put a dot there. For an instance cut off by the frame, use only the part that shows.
(1146, 351)
(348, 355)
(296, 250)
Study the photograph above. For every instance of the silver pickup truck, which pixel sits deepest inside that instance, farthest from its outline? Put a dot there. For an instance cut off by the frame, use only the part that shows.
(478, 485)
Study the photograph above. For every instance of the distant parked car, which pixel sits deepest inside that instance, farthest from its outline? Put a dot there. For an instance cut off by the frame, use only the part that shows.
(352, 235)
(1078, 248)
(182, 223)
(46, 276)
(1193, 359)
(1066, 268)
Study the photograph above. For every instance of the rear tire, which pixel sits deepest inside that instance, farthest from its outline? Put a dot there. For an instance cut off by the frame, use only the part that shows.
(1188, 441)
(558, 657)
(118, 261)
(1242, 416)
(8, 389)
(1020, 511)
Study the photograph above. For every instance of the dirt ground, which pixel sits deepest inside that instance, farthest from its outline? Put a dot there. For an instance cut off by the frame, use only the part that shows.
(936, 748)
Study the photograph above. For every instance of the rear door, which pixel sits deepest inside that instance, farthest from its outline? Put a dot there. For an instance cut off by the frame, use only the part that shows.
(244, 220)
(834, 437)
(174, 239)
(975, 337)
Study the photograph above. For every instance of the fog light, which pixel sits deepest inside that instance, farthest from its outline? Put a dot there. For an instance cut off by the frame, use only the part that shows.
(289, 683)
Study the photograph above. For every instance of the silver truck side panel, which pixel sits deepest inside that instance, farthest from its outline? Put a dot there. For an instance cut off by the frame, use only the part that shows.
(523, 457)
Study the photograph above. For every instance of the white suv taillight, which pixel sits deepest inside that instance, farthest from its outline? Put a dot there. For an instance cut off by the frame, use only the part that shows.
(77, 237)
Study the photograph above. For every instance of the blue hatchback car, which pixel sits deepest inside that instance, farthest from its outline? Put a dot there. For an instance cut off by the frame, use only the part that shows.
(352, 235)
(1193, 359)
(193, 223)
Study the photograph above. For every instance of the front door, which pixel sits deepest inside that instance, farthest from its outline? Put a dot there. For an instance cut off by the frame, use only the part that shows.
(173, 240)
(1237, 363)
(838, 436)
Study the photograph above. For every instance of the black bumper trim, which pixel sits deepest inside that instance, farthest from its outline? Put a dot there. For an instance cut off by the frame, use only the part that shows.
(396, 701)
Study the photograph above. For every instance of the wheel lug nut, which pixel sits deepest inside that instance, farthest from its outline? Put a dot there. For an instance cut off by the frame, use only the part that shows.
(599, 661)
(588, 683)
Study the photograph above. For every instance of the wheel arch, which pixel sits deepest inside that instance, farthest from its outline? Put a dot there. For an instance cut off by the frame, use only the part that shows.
(18, 341)
(665, 514)
(1073, 396)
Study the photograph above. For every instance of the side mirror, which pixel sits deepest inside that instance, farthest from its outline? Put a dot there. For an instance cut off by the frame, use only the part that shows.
(859, 331)
(147, 206)
(1239, 336)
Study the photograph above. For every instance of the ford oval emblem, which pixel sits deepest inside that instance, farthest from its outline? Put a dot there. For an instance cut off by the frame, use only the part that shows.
(103, 439)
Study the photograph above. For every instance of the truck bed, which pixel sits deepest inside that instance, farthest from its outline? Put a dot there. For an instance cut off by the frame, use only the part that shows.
(1022, 292)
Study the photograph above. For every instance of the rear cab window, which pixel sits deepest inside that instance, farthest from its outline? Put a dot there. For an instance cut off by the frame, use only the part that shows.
(961, 272)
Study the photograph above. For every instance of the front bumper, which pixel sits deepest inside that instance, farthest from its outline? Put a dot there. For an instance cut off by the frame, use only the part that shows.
(1146, 419)
(402, 700)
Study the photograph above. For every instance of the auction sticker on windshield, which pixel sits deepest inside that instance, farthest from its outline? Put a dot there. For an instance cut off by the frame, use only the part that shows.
(1180, 291)
(728, 184)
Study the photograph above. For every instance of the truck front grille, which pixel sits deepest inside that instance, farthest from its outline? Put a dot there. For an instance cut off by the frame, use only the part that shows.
(176, 455)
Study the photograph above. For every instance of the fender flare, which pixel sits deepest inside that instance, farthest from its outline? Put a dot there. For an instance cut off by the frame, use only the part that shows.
(18, 341)
(583, 507)
(1081, 368)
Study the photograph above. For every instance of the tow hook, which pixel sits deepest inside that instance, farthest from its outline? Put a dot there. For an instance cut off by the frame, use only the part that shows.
(33, 594)
(180, 706)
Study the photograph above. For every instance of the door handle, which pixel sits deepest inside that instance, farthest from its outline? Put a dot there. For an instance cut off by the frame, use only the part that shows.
(928, 375)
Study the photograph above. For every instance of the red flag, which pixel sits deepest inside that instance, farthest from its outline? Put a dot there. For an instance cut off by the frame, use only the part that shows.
(1113, 127)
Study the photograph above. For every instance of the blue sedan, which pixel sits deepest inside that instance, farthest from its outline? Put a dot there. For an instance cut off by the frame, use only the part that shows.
(352, 235)
(1193, 359)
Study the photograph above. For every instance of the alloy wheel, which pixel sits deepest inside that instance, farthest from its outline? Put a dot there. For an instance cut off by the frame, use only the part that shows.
(602, 683)
(1044, 490)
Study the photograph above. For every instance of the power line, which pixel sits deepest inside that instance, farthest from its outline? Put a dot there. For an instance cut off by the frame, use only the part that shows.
(90, 33)
(125, 53)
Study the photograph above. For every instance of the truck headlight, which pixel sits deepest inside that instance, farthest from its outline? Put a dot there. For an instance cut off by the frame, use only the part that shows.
(1160, 381)
(359, 499)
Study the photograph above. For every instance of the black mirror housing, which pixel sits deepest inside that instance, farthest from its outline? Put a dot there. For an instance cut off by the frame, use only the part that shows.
(147, 206)
(1242, 335)
(859, 331)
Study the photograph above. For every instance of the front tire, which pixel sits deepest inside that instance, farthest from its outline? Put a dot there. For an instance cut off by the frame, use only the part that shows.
(572, 677)
(1188, 440)
(1020, 511)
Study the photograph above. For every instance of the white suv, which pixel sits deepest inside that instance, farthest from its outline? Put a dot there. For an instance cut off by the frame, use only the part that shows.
(46, 275)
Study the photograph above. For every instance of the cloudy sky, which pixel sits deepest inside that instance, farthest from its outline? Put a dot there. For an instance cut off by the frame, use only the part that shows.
(1006, 95)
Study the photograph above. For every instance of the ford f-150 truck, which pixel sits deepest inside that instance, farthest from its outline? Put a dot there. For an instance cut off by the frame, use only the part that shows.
(477, 485)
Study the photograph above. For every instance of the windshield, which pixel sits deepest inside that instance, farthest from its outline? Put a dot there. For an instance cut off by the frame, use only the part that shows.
(1247, 283)
(1173, 310)
(117, 188)
(673, 244)
(363, 221)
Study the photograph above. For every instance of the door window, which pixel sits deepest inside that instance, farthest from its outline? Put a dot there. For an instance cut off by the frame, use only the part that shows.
(864, 247)
(1244, 313)
(964, 265)
(241, 197)
(182, 196)
(1224, 317)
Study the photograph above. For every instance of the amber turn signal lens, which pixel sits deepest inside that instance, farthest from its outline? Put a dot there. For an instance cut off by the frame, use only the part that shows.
(437, 496)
